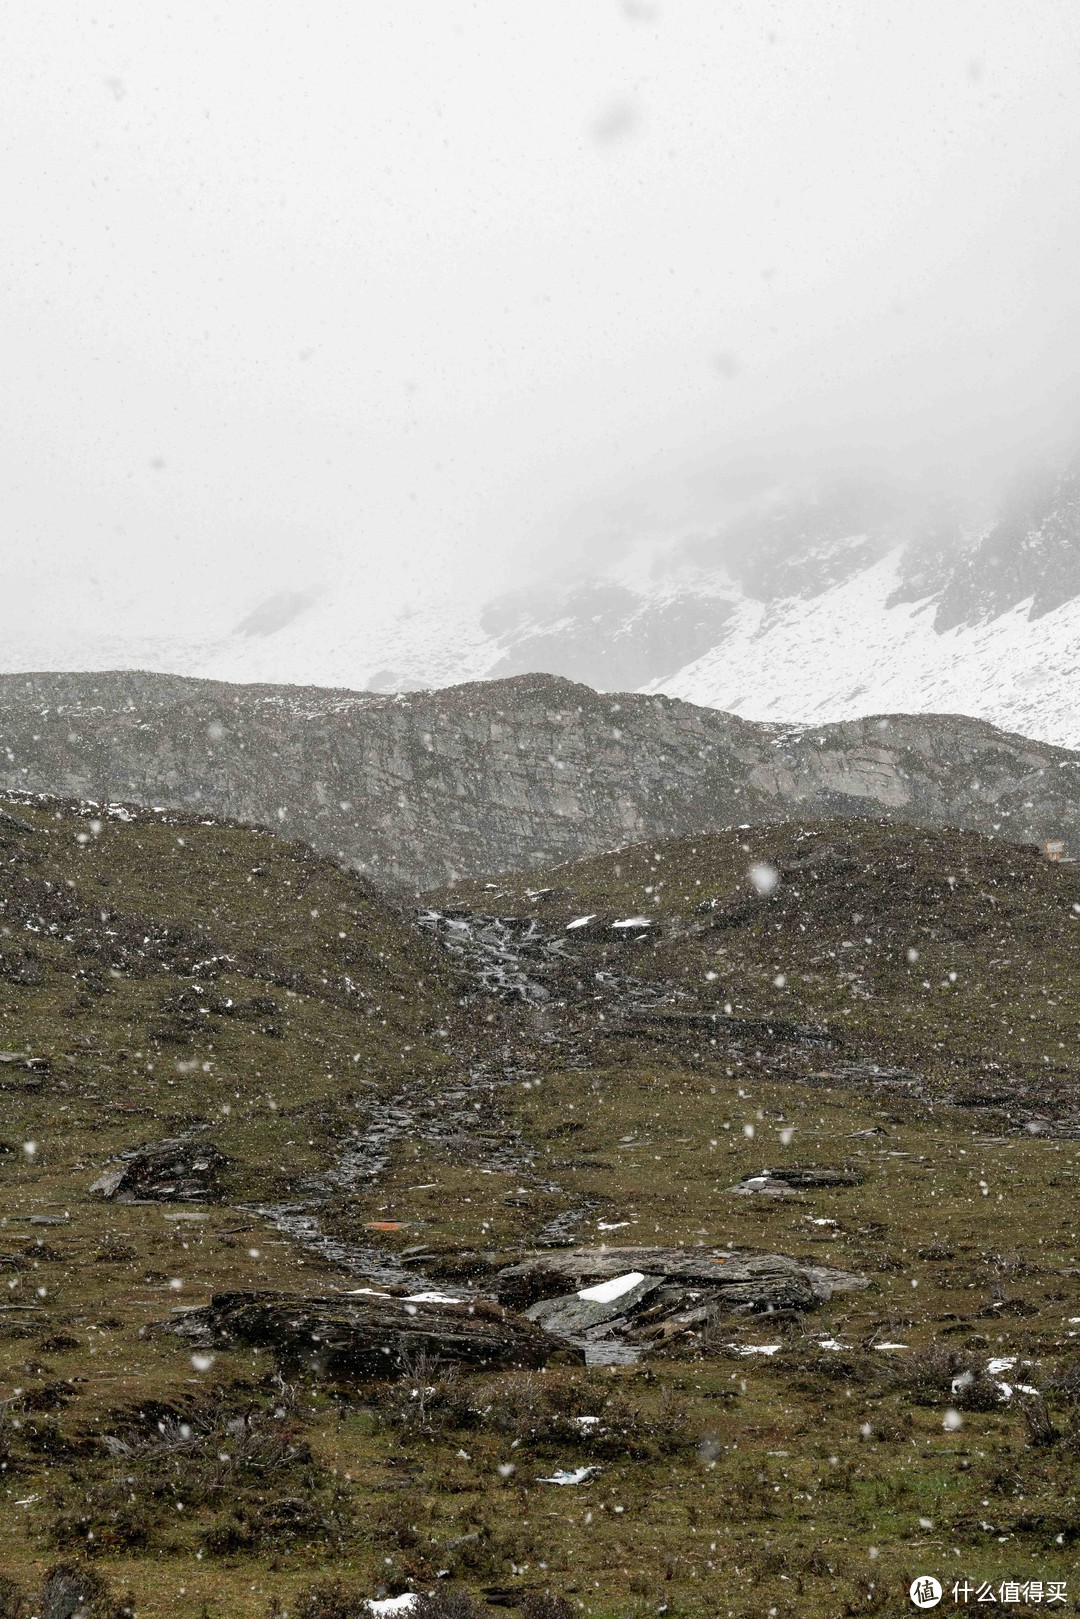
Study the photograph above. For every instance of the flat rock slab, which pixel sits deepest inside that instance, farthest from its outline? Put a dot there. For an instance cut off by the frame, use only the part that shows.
(762, 1186)
(573, 1314)
(373, 1335)
(730, 1279)
(182, 1170)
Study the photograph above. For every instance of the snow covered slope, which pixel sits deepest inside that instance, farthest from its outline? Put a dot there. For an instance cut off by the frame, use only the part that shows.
(853, 650)
(811, 606)
(850, 601)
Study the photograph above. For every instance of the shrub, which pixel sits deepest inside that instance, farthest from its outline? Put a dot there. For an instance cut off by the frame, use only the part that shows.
(100, 1516)
(540, 1408)
(239, 1461)
(575, 1410)
(1038, 1422)
(891, 1427)
(13, 1603)
(427, 1398)
(329, 1600)
(544, 1605)
(939, 1373)
(79, 1592)
(280, 1522)
(1065, 1383)
(446, 1603)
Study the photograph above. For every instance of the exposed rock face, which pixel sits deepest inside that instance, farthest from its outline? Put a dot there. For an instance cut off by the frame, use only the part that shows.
(508, 774)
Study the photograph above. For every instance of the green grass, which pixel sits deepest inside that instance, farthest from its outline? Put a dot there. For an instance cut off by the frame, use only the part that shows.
(814, 1482)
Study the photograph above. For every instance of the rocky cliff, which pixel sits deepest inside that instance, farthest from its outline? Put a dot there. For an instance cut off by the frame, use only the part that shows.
(508, 774)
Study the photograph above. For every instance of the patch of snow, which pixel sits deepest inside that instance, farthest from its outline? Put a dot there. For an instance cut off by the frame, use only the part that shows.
(432, 1298)
(402, 1604)
(634, 922)
(604, 1292)
(580, 921)
(1005, 1363)
(844, 653)
(562, 1475)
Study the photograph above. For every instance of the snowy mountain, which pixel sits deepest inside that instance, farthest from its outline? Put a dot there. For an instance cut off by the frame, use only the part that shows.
(822, 608)
(808, 606)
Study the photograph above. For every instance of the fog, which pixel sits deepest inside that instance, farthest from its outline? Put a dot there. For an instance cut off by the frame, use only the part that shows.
(402, 300)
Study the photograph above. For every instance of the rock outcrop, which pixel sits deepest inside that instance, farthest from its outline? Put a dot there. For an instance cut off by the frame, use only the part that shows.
(183, 1169)
(732, 1278)
(370, 1334)
(511, 774)
(615, 1304)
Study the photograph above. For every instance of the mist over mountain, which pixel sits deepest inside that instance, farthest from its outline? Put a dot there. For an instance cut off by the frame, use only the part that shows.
(820, 604)
(539, 809)
(646, 345)
(808, 603)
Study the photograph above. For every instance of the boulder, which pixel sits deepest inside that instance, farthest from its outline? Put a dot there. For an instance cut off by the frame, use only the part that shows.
(371, 1334)
(182, 1170)
(574, 1313)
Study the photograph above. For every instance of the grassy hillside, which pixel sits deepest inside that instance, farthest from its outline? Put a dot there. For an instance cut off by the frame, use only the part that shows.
(203, 973)
(952, 952)
(159, 975)
(162, 975)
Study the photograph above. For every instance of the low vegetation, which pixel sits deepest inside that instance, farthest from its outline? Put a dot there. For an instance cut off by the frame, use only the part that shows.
(163, 978)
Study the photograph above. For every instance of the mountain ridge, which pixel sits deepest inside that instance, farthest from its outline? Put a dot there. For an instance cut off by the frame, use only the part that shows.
(422, 788)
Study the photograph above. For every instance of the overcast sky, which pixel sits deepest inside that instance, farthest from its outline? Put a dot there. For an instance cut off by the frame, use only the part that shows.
(399, 294)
